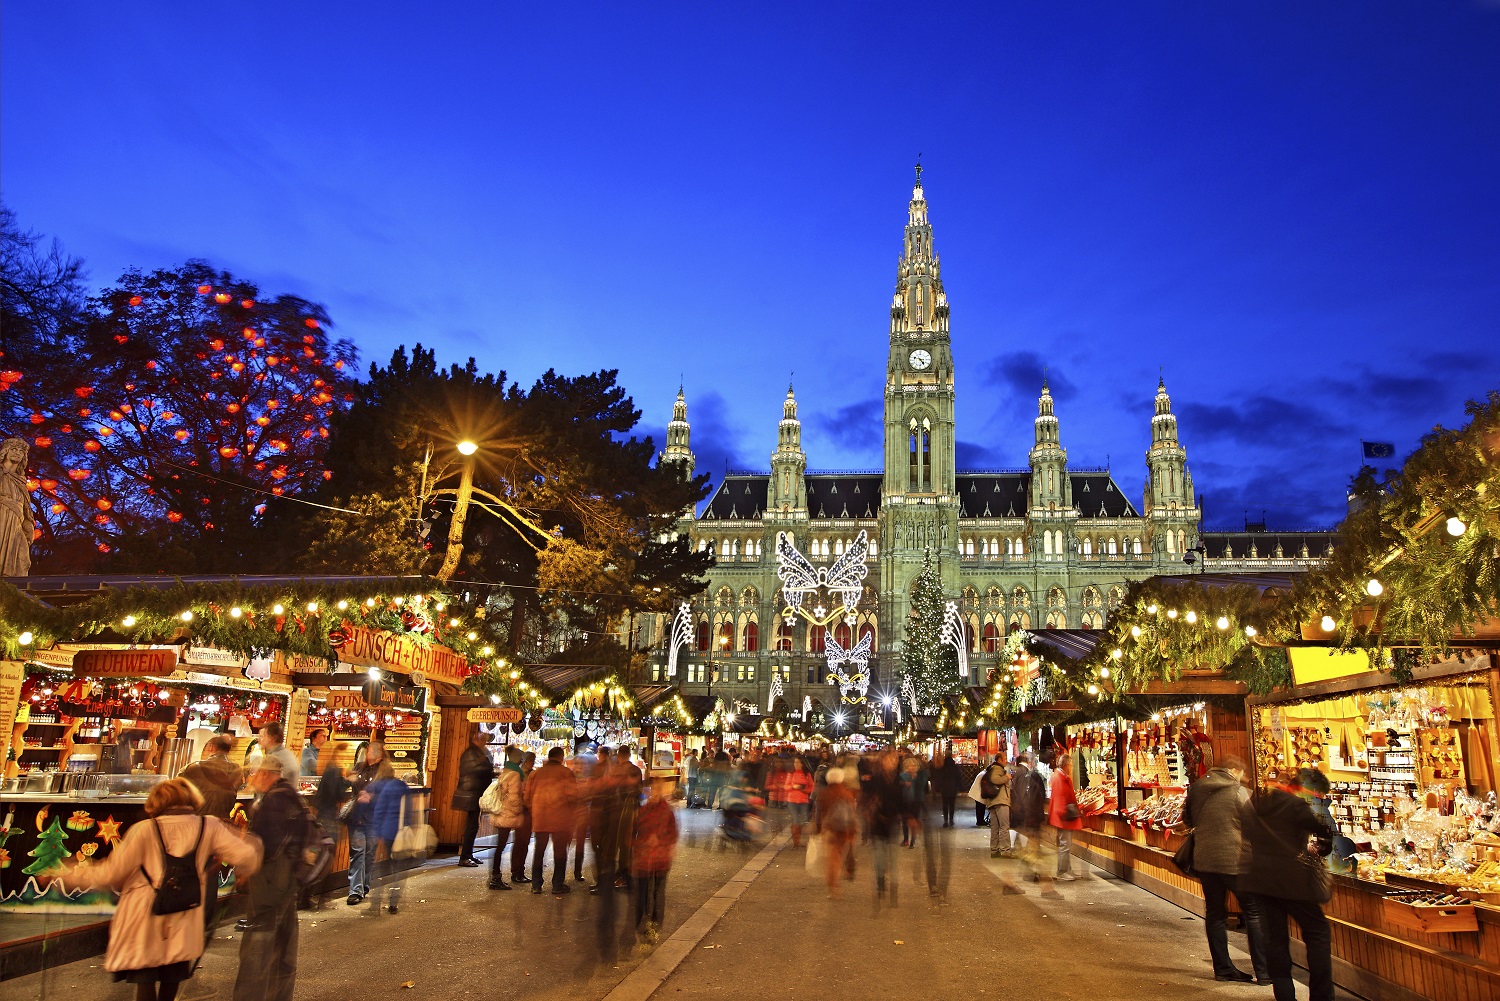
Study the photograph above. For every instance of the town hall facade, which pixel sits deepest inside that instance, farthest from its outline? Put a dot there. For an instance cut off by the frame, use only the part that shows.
(1044, 547)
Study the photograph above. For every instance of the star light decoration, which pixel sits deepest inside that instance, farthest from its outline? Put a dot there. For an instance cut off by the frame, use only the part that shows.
(856, 683)
(953, 635)
(800, 581)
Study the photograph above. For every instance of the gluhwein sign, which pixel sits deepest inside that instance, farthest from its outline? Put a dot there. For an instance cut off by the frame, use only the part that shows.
(378, 648)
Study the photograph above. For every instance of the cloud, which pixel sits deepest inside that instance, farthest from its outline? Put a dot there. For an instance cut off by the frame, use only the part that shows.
(857, 427)
(971, 456)
(1262, 419)
(1022, 372)
(715, 436)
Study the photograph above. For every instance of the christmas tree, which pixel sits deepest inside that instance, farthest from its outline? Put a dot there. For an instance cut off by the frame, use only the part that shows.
(51, 848)
(931, 664)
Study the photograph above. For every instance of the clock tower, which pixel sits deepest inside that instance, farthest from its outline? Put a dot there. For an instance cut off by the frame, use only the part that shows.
(919, 498)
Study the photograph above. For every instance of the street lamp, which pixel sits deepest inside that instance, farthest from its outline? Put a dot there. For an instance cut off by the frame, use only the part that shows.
(467, 447)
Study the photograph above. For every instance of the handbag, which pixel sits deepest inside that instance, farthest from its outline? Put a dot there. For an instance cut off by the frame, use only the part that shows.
(346, 809)
(413, 840)
(490, 802)
(1182, 858)
(1071, 812)
(814, 851)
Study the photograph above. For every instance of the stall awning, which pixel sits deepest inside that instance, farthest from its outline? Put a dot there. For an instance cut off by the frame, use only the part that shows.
(648, 697)
(1265, 583)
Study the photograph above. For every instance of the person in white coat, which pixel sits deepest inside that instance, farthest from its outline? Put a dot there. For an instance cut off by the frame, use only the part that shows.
(510, 817)
(157, 952)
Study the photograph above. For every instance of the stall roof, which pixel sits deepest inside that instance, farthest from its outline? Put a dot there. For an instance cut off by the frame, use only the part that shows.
(649, 696)
(1073, 644)
(1278, 583)
(72, 590)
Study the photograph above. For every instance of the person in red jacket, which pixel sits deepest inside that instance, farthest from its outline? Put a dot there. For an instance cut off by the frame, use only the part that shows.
(652, 848)
(1065, 820)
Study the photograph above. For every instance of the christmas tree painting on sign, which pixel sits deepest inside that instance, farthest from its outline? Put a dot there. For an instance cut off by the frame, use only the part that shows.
(50, 850)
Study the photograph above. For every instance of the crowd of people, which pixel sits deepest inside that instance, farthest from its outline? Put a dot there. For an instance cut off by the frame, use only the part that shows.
(602, 805)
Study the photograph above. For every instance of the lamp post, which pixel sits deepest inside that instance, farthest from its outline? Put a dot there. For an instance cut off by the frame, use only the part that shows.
(466, 449)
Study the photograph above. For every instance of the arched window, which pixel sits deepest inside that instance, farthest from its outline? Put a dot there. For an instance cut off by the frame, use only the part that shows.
(843, 635)
(1047, 543)
(1116, 596)
(1088, 546)
(752, 636)
(723, 597)
(1020, 598)
(1171, 542)
(1020, 546)
(749, 598)
(991, 637)
(1137, 542)
(817, 639)
(783, 635)
(1056, 598)
(734, 548)
(993, 598)
(1112, 550)
(1020, 620)
(726, 636)
(703, 634)
(971, 633)
(1057, 619)
(867, 628)
(971, 598)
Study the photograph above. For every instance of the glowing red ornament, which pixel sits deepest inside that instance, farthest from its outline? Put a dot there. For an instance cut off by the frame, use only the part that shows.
(229, 451)
(174, 515)
(49, 485)
(43, 441)
(247, 303)
(37, 418)
(92, 445)
(310, 323)
(103, 504)
(180, 435)
(135, 300)
(222, 297)
(33, 485)
(79, 475)
(82, 392)
(205, 289)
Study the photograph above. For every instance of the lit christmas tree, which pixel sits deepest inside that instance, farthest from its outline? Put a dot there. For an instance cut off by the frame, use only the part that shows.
(931, 664)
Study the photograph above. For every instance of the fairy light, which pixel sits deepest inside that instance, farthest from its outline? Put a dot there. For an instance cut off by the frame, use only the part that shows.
(1374, 588)
(342, 606)
(236, 612)
(1151, 608)
(1103, 672)
(369, 602)
(1135, 632)
(128, 621)
(312, 606)
(1117, 653)
(1456, 527)
(1328, 625)
(278, 609)
(1222, 622)
(1192, 617)
(25, 638)
(186, 616)
(1250, 631)
(1171, 613)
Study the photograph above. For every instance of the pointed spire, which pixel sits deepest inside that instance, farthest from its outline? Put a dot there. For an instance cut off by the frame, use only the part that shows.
(679, 435)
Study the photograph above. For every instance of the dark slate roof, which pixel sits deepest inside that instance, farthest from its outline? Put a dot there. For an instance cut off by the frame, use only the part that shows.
(1005, 495)
(1265, 543)
(843, 495)
(740, 496)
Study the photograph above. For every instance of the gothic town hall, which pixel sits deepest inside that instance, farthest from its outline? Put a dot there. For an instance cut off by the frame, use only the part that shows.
(1044, 547)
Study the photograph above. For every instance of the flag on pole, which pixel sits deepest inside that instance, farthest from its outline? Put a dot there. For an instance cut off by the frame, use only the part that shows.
(1378, 449)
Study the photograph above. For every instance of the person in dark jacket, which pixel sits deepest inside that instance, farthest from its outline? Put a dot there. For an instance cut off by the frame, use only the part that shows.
(475, 773)
(1277, 824)
(216, 777)
(884, 808)
(1212, 810)
(333, 788)
(387, 805)
(947, 779)
(268, 952)
(361, 838)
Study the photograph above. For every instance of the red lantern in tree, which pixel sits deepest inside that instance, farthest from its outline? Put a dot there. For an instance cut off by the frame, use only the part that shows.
(135, 300)
(247, 303)
(92, 445)
(221, 298)
(205, 289)
(42, 441)
(83, 392)
(174, 516)
(103, 504)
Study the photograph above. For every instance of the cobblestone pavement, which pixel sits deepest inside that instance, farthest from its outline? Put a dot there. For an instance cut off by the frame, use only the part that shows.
(782, 938)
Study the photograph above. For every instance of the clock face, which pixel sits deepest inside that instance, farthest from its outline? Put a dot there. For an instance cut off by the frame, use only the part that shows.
(920, 359)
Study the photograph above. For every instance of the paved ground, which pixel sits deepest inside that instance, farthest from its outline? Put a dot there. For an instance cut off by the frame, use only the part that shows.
(779, 936)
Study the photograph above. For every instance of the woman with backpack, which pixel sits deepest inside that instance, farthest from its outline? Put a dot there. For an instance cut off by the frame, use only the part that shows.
(156, 935)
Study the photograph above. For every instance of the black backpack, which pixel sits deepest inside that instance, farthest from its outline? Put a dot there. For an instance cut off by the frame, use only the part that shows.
(310, 848)
(181, 885)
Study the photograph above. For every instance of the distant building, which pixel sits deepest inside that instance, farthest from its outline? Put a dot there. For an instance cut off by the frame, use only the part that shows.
(1043, 547)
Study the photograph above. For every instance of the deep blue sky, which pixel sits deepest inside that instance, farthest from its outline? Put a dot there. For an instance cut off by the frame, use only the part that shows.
(1291, 209)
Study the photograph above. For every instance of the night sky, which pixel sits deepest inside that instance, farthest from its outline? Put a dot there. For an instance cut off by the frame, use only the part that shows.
(1291, 210)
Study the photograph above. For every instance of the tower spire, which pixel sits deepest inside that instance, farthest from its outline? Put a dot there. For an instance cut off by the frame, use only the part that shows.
(787, 493)
(679, 437)
(920, 304)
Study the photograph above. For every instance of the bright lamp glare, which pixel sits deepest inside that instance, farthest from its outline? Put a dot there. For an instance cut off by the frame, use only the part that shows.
(374, 674)
(1456, 527)
(467, 447)
(1328, 624)
(1374, 588)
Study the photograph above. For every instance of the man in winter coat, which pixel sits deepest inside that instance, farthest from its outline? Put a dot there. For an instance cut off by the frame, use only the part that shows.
(551, 794)
(510, 818)
(475, 773)
(268, 952)
(997, 782)
(1212, 810)
(1277, 824)
(216, 777)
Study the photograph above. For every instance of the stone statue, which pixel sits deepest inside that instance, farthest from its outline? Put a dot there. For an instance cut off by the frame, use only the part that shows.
(16, 525)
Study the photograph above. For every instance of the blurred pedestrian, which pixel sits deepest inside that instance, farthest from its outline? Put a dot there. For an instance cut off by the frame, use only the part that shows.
(590, 770)
(509, 820)
(388, 806)
(333, 788)
(690, 778)
(521, 841)
(268, 951)
(797, 785)
(837, 823)
(1278, 824)
(551, 794)
(629, 780)
(475, 773)
(653, 846)
(361, 837)
(157, 952)
(884, 811)
(272, 749)
(1064, 815)
(1212, 810)
(948, 780)
(218, 780)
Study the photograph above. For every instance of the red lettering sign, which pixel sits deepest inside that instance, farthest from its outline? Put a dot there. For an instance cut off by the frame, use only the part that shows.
(124, 663)
(378, 648)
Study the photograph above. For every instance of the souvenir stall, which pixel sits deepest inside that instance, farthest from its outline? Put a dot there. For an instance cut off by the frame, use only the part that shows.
(1412, 766)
